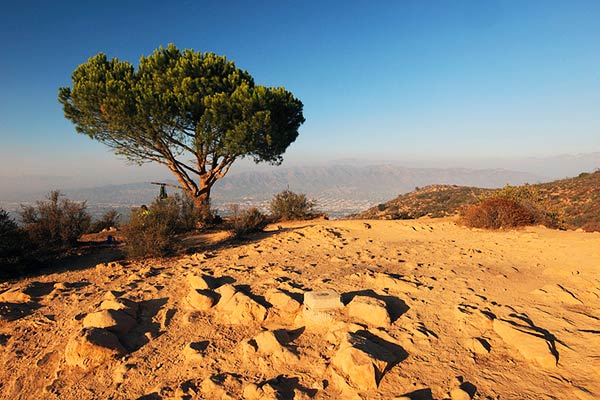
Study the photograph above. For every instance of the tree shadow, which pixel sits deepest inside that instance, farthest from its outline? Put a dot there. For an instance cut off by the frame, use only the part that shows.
(79, 258)
(200, 242)
(395, 306)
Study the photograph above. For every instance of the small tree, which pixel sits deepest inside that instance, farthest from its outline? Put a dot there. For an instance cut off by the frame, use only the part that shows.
(288, 205)
(55, 222)
(195, 113)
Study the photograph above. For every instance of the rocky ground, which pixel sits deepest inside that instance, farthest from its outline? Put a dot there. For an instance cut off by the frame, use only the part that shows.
(418, 309)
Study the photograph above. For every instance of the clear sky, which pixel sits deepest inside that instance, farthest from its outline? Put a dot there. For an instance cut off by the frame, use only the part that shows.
(390, 80)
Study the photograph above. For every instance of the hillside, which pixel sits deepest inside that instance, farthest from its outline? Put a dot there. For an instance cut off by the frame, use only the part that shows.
(577, 199)
(434, 201)
(322, 310)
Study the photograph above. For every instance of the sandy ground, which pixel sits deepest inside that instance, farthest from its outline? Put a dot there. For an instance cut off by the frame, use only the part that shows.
(429, 310)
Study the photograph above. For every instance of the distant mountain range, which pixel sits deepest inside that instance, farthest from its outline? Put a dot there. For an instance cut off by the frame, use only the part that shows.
(338, 189)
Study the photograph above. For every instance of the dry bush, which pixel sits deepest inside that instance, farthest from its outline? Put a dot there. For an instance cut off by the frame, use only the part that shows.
(593, 226)
(530, 198)
(288, 205)
(55, 222)
(246, 221)
(497, 213)
(108, 220)
(189, 215)
(152, 232)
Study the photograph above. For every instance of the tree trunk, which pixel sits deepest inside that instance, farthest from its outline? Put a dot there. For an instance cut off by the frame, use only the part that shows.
(202, 202)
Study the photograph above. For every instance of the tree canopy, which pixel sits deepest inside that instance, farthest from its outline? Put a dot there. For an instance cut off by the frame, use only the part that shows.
(194, 112)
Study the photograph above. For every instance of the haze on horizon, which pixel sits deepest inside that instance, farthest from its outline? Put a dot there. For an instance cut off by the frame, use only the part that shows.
(446, 84)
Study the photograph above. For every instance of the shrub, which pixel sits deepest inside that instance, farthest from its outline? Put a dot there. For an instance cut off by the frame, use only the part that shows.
(55, 222)
(14, 243)
(593, 226)
(151, 231)
(530, 198)
(288, 205)
(189, 215)
(246, 221)
(381, 207)
(497, 213)
(108, 220)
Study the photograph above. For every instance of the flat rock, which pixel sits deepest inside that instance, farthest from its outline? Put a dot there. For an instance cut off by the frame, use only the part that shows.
(370, 310)
(93, 346)
(117, 321)
(530, 345)
(282, 301)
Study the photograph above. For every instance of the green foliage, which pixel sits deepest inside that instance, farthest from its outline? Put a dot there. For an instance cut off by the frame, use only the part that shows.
(247, 220)
(108, 220)
(55, 223)
(497, 213)
(14, 243)
(152, 232)
(288, 205)
(381, 207)
(180, 105)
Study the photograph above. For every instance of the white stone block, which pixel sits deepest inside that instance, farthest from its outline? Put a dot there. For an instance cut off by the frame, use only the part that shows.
(322, 300)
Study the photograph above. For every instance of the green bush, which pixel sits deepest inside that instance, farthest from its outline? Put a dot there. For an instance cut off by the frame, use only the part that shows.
(14, 243)
(152, 231)
(246, 221)
(108, 220)
(288, 205)
(55, 223)
(497, 213)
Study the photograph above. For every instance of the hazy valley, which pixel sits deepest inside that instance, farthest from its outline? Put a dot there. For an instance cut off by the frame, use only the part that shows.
(338, 189)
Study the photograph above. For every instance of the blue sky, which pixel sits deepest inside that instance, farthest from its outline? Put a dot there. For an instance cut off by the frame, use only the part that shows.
(414, 80)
